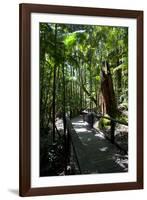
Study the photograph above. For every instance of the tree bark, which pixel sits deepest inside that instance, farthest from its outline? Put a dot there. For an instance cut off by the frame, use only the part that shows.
(54, 86)
(108, 95)
(108, 90)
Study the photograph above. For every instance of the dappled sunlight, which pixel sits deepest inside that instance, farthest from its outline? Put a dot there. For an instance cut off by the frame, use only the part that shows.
(103, 154)
(81, 130)
(103, 149)
(79, 123)
(122, 161)
(122, 164)
(99, 135)
(89, 131)
(59, 124)
(81, 127)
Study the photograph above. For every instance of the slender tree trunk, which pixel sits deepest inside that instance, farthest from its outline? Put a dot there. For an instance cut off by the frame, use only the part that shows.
(90, 88)
(118, 81)
(80, 89)
(71, 93)
(54, 86)
(42, 73)
(90, 84)
(63, 96)
(47, 111)
(88, 94)
(85, 79)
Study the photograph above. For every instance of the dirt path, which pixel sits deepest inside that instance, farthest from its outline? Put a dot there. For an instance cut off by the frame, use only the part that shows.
(95, 153)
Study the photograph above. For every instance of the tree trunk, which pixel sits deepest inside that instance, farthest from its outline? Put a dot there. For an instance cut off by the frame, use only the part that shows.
(118, 81)
(88, 94)
(108, 95)
(108, 90)
(54, 86)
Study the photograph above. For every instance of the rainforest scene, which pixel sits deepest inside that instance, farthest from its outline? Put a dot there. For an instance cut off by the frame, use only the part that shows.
(83, 99)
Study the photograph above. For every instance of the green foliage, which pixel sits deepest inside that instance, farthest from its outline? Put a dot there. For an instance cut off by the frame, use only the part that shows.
(77, 53)
(123, 118)
(104, 123)
(70, 40)
(97, 78)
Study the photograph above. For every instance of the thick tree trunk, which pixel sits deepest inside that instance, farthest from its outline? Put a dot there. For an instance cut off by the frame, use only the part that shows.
(108, 95)
(108, 90)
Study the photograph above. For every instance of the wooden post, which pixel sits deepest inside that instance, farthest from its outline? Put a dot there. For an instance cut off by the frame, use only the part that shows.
(112, 131)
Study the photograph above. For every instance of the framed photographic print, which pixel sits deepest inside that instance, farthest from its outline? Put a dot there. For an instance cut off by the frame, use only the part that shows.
(81, 99)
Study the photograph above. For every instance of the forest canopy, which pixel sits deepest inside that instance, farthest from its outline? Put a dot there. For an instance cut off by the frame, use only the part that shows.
(82, 66)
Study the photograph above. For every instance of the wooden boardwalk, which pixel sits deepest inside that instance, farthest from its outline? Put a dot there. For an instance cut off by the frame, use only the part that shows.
(95, 153)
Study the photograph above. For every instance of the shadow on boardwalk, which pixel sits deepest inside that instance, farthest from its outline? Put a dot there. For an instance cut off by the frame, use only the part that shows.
(95, 153)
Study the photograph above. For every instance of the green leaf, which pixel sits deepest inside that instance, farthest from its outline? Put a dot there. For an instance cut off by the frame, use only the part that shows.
(70, 40)
(97, 78)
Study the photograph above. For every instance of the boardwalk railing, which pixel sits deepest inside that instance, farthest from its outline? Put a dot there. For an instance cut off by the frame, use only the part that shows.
(112, 119)
(70, 149)
(75, 154)
(112, 131)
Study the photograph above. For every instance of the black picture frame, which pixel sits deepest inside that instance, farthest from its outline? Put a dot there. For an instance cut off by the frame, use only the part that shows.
(25, 96)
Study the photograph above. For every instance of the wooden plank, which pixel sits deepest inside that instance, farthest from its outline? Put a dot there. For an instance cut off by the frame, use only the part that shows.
(80, 150)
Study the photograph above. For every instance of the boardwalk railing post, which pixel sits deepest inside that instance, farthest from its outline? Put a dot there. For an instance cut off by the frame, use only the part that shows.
(112, 131)
(68, 146)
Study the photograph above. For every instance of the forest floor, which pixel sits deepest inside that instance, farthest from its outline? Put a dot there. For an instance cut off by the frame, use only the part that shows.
(95, 153)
